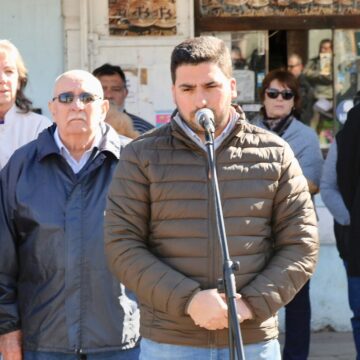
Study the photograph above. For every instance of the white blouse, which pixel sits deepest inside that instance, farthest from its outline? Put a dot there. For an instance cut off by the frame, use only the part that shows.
(17, 130)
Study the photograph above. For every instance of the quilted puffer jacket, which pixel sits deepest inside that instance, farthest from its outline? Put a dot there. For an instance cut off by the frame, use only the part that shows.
(161, 238)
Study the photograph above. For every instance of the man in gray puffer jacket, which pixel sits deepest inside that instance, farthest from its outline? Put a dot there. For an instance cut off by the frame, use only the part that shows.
(161, 236)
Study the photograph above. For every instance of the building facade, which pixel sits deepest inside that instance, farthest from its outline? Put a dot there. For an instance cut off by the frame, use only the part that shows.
(140, 35)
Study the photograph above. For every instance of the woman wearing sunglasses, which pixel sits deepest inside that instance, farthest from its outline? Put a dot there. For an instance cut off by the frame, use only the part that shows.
(280, 96)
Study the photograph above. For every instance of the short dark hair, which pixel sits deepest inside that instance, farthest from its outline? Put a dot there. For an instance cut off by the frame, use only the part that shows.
(286, 78)
(325, 41)
(200, 50)
(108, 69)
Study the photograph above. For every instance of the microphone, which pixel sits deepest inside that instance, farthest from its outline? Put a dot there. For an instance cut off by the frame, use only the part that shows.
(205, 118)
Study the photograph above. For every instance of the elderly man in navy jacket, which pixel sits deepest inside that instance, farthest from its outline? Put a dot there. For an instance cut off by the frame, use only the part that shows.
(57, 297)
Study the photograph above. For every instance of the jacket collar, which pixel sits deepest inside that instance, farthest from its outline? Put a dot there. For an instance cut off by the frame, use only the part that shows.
(180, 133)
(109, 145)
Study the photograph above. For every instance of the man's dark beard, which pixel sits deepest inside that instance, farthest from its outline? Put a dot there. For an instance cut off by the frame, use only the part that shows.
(198, 129)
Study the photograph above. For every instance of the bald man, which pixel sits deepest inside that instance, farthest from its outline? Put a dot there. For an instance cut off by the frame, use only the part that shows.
(57, 298)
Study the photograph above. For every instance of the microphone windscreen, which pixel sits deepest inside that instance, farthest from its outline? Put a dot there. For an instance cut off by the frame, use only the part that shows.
(203, 115)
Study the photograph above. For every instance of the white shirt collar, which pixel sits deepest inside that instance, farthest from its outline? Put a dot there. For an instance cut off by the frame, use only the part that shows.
(218, 140)
(75, 165)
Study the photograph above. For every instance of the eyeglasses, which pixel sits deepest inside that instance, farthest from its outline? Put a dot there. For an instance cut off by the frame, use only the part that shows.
(293, 66)
(69, 97)
(274, 93)
(117, 88)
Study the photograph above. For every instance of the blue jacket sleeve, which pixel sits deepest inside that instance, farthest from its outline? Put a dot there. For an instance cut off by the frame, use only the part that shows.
(309, 155)
(329, 189)
(9, 316)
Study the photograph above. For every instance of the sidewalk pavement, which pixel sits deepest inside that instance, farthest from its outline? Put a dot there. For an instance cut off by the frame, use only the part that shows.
(330, 345)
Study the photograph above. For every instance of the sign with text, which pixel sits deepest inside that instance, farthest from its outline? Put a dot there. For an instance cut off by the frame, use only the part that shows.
(142, 17)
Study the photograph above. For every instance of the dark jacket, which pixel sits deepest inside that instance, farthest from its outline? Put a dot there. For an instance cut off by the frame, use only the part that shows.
(54, 282)
(140, 124)
(161, 237)
(348, 178)
(307, 100)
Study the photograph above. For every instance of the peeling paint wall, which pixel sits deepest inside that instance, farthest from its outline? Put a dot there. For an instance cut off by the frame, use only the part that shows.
(146, 59)
(35, 28)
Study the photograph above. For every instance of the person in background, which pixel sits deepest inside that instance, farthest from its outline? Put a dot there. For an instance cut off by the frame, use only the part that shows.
(280, 96)
(113, 81)
(318, 71)
(295, 66)
(237, 59)
(122, 123)
(160, 232)
(18, 124)
(340, 184)
(58, 300)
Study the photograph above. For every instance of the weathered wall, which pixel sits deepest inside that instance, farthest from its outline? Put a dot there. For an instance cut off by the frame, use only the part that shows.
(35, 28)
(146, 58)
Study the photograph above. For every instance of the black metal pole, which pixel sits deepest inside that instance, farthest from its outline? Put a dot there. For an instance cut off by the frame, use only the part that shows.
(235, 340)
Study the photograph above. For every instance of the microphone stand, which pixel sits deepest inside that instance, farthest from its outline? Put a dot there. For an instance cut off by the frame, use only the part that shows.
(227, 284)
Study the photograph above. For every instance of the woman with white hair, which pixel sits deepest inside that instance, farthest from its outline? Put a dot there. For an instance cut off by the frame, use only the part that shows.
(18, 124)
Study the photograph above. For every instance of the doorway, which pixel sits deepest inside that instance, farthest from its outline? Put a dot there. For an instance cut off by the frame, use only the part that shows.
(282, 43)
(277, 49)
